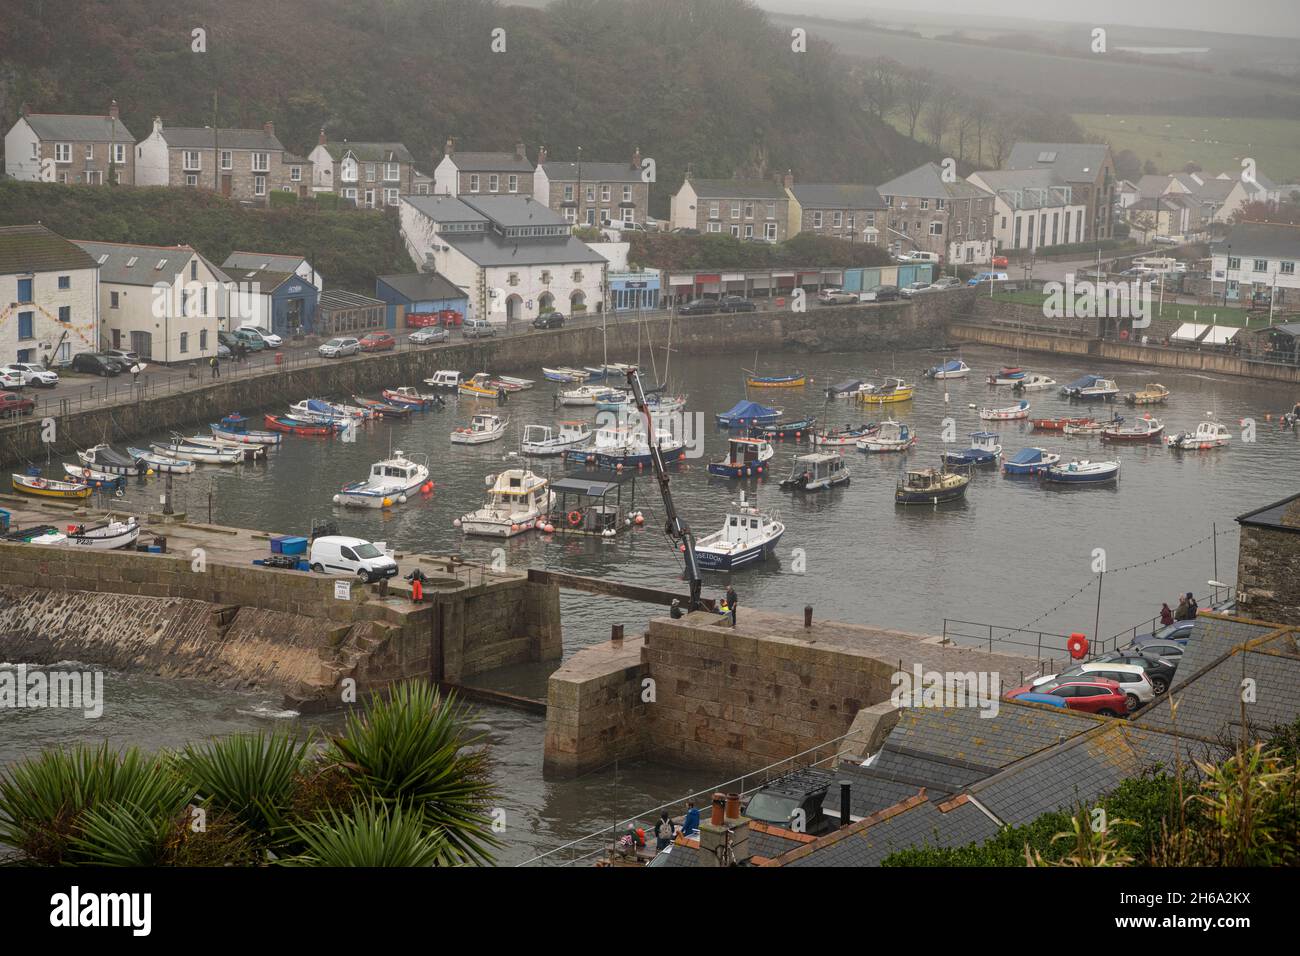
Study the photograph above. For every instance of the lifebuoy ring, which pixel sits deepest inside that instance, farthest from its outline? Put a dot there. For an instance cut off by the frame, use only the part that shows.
(1123, 335)
(1077, 645)
(575, 518)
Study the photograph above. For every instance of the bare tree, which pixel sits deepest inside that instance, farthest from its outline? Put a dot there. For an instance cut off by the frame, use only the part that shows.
(981, 111)
(880, 87)
(1006, 129)
(939, 116)
(914, 93)
(963, 123)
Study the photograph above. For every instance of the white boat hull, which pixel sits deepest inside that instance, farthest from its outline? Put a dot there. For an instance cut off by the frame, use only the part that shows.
(119, 534)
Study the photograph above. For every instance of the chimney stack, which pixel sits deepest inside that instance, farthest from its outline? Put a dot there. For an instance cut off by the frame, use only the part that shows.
(541, 155)
(788, 179)
(157, 124)
(269, 128)
(636, 158)
(112, 110)
(321, 140)
(450, 148)
(519, 151)
(724, 838)
(845, 803)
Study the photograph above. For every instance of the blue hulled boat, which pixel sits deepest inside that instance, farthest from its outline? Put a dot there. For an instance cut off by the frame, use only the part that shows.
(745, 413)
(1030, 461)
(984, 450)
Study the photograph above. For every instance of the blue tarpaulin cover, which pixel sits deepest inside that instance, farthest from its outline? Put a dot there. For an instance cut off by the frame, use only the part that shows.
(748, 411)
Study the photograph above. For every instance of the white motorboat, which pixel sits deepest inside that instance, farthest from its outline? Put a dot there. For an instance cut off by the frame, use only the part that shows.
(390, 482)
(163, 463)
(517, 500)
(816, 471)
(747, 536)
(890, 436)
(207, 454)
(512, 384)
(954, 368)
(553, 439)
(108, 536)
(626, 447)
(481, 429)
(586, 395)
(90, 476)
(565, 374)
(1102, 390)
(445, 378)
(1033, 383)
(249, 452)
(104, 457)
(1007, 413)
(1206, 435)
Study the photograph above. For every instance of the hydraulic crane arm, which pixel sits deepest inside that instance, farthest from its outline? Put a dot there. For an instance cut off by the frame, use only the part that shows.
(677, 529)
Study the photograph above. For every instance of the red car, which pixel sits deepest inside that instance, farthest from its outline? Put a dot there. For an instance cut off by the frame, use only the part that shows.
(1000, 262)
(378, 342)
(15, 405)
(1092, 696)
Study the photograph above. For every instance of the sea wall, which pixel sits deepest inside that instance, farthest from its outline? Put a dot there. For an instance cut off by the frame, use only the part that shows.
(896, 325)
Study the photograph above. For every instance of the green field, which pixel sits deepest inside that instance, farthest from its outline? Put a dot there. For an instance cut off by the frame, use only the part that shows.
(1218, 145)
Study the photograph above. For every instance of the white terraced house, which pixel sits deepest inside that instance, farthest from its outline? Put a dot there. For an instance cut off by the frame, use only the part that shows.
(49, 297)
(70, 149)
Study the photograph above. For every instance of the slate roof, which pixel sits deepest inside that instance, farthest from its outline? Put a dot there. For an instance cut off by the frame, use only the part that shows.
(738, 189)
(371, 152)
(145, 271)
(266, 280)
(422, 286)
(1279, 516)
(195, 137)
(339, 299)
(1074, 162)
(1264, 240)
(837, 196)
(513, 211)
(262, 260)
(926, 182)
(489, 249)
(80, 129)
(491, 163)
(444, 209)
(592, 172)
(35, 248)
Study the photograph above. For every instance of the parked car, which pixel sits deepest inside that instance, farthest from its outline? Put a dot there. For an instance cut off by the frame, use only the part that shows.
(269, 338)
(797, 796)
(223, 350)
(1132, 680)
(984, 277)
(37, 376)
(96, 363)
(736, 303)
(124, 357)
(1000, 262)
(478, 329)
(339, 554)
(698, 307)
(917, 255)
(11, 405)
(1160, 671)
(428, 336)
(881, 293)
(945, 282)
(836, 297)
(1165, 240)
(913, 288)
(1100, 696)
(1177, 633)
(549, 320)
(249, 339)
(11, 378)
(339, 348)
(378, 342)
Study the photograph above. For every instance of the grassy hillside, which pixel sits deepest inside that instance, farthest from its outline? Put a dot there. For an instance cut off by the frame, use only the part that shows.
(710, 83)
(348, 248)
(1218, 144)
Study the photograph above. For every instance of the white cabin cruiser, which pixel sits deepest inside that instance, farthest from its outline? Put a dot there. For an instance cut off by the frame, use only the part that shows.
(553, 439)
(517, 499)
(482, 428)
(1206, 435)
(390, 482)
(747, 537)
(444, 378)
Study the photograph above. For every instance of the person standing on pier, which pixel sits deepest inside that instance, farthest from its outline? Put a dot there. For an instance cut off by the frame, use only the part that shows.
(691, 822)
(1166, 615)
(215, 366)
(1181, 613)
(663, 831)
(732, 599)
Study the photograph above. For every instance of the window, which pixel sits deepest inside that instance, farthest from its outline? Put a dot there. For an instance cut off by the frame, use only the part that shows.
(957, 230)
(713, 210)
(512, 279)
(203, 300)
(837, 219)
(24, 290)
(941, 204)
(227, 159)
(191, 160)
(714, 227)
(735, 210)
(348, 170)
(817, 219)
(295, 174)
(889, 202)
(185, 342)
(936, 228)
(390, 196)
(261, 162)
(494, 183)
(1287, 268)
(591, 194)
(473, 183)
(203, 340)
(259, 185)
(1234, 262)
(546, 277)
(570, 214)
(749, 231)
(749, 210)
(112, 300)
(925, 204)
(90, 151)
(604, 193)
(577, 276)
(191, 179)
(63, 152)
(392, 172)
(849, 222)
(26, 323)
(568, 192)
(627, 194)
(512, 183)
(94, 177)
(629, 215)
(1261, 265)
(769, 230)
(65, 313)
(65, 282)
(735, 231)
(871, 219)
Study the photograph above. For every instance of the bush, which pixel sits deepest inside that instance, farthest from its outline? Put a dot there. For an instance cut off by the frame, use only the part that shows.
(282, 198)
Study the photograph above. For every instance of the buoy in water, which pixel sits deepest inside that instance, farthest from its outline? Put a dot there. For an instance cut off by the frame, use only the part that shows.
(401, 499)
(549, 529)
(456, 523)
(427, 487)
(640, 518)
(338, 498)
(388, 502)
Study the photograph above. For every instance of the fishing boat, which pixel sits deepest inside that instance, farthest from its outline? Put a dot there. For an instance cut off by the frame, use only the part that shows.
(890, 436)
(1141, 429)
(389, 483)
(984, 450)
(321, 410)
(1033, 383)
(566, 375)
(746, 458)
(384, 409)
(49, 487)
(512, 384)
(614, 400)
(1209, 434)
(1072, 389)
(585, 395)
(848, 435)
(164, 463)
(1082, 471)
(745, 413)
(108, 536)
(747, 536)
(480, 386)
(444, 378)
(411, 397)
(1007, 375)
(1102, 390)
(795, 380)
(37, 534)
(1030, 461)
(94, 478)
(553, 440)
(888, 391)
(481, 429)
(234, 427)
(793, 429)
(1055, 424)
(294, 426)
(930, 486)
(106, 458)
(245, 451)
(954, 368)
(817, 471)
(847, 387)
(1151, 394)
(181, 450)
(618, 447)
(517, 500)
(1093, 427)
(1005, 414)
(663, 404)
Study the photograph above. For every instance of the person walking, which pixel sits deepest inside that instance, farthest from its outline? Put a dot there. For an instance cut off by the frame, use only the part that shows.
(1192, 607)
(215, 366)
(1166, 615)
(732, 599)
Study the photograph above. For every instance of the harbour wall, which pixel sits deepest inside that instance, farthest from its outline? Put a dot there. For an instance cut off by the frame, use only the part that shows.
(256, 627)
(896, 325)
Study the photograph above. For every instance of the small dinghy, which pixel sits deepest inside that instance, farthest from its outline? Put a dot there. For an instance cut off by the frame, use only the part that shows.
(846, 387)
(1206, 435)
(794, 380)
(245, 451)
(614, 400)
(748, 536)
(411, 397)
(512, 384)
(1081, 471)
(1141, 429)
(745, 413)
(1102, 390)
(1007, 375)
(444, 378)
(955, 368)
(566, 375)
(481, 429)
(385, 409)
(1151, 394)
(540, 440)
(181, 450)
(746, 458)
(49, 487)
(1007, 413)
(317, 409)
(817, 471)
(1034, 383)
(890, 436)
(984, 450)
(96, 479)
(887, 392)
(848, 435)
(1029, 461)
(164, 463)
(517, 500)
(930, 486)
(793, 430)
(234, 427)
(1055, 424)
(1092, 427)
(105, 458)
(389, 483)
(298, 427)
(108, 536)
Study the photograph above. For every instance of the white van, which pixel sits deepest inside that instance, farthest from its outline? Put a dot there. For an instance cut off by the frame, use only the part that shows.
(339, 554)
(1157, 264)
(272, 340)
(917, 256)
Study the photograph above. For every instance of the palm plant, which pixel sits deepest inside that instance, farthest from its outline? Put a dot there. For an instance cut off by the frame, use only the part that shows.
(411, 751)
(370, 834)
(1092, 846)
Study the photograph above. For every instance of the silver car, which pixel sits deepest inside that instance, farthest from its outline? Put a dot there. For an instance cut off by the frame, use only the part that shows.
(338, 348)
(429, 336)
(35, 375)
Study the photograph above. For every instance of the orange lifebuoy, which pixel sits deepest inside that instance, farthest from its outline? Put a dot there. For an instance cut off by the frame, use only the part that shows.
(1077, 645)
(575, 518)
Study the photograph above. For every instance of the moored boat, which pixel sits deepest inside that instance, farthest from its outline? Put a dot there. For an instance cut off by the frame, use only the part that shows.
(1007, 375)
(793, 429)
(164, 463)
(1007, 413)
(955, 368)
(746, 458)
(108, 536)
(49, 487)
(618, 447)
(1072, 389)
(246, 451)
(444, 378)
(481, 429)
(984, 450)
(846, 387)
(1029, 461)
(512, 384)
(1151, 394)
(817, 471)
(848, 435)
(1092, 426)
(565, 374)
(794, 380)
(1033, 383)
(586, 395)
(889, 391)
(384, 409)
(748, 536)
(294, 426)
(1141, 429)
(480, 386)
(517, 500)
(234, 427)
(389, 483)
(181, 450)
(1208, 434)
(1055, 424)
(930, 486)
(890, 436)
(1102, 390)
(412, 397)
(103, 457)
(746, 413)
(554, 439)
(96, 479)
(1083, 471)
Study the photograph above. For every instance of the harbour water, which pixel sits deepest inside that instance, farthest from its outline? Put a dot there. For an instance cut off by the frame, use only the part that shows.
(1014, 553)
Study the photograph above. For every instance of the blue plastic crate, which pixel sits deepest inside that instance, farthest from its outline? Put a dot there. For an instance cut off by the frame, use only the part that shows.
(293, 545)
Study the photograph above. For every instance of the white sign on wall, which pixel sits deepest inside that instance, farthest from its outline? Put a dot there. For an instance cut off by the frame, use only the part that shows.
(342, 590)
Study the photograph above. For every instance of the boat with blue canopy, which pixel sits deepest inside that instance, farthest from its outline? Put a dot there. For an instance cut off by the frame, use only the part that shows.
(955, 368)
(745, 413)
(1030, 461)
(984, 450)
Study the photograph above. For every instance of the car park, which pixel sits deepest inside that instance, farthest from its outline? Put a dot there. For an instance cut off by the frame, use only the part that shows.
(698, 307)
(549, 320)
(945, 282)
(836, 297)
(1100, 696)
(37, 376)
(1177, 633)
(881, 293)
(1131, 678)
(269, 338)
(913, 288)
(428, 336)
(339, 348)
(478, 329)
(95, 363)
(340, 554)
(1159, 670)
(378, 342)
(12, 405)
(736, 303)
